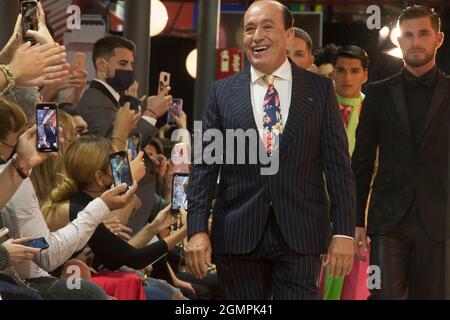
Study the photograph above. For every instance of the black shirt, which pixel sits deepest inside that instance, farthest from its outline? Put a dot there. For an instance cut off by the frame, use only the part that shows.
(418, 94)
(112, 251)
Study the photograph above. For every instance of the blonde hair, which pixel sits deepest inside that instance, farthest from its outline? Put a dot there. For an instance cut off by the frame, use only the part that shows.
(82, 159)
(66, 122)
(50, 173)
(12, 118)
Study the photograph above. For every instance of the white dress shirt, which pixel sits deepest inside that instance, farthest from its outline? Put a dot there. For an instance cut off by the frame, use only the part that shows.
(283, 85)
(116, 95)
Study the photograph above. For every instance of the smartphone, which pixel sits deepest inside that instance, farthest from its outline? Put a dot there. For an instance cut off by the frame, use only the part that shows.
(79, 60)
(180, 155)
(29, 11)
(174, 110)
(47, 127)
(121, 169)
(134, 145)
(179, 192)
(164, 81)
(37, 243)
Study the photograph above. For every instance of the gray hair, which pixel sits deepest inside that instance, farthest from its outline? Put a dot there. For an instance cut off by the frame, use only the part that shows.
(25, 98)
(302, 34)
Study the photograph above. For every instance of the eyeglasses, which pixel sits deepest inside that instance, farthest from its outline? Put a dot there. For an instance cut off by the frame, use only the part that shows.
(8, 145)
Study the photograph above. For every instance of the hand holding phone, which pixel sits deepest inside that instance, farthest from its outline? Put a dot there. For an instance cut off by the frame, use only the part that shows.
(179, 192)
(39, 243)
(134, 145)
(47, 127)
(174, 111)
(29, 11)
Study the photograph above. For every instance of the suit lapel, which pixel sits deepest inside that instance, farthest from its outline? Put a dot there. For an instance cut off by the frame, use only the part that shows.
(302, 99)
(398, 96)
(439, 93)
(240, 101)
(100, 87)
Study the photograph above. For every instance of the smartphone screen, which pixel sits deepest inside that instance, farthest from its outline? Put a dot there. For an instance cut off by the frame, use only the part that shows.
(121, 170)
(174, 110)
(134, 145)
(164, 81)
(29, 12)
(47, 127)
(179, 190)
(79, 60)
(37, 243)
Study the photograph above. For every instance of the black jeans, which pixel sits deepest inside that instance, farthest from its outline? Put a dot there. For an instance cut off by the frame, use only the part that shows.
(412, 265)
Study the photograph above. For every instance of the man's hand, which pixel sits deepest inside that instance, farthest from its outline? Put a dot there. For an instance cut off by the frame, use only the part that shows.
(361, 240)
(27, 151)
(340, 256)
(158, 105)
(198, 254)
(133, 90)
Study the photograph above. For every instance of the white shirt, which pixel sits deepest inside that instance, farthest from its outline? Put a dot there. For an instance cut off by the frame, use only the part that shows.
(23, 217)
(258, 89)
(116, 95)
(283, 85)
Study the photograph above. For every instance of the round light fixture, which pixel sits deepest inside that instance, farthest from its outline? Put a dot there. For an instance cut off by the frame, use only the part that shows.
(158, 17)
(191, 63)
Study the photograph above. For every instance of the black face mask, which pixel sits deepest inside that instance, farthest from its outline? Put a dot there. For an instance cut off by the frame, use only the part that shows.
(122, 80)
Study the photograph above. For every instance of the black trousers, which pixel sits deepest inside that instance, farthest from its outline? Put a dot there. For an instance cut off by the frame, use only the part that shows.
(271, 271)
(412, 265)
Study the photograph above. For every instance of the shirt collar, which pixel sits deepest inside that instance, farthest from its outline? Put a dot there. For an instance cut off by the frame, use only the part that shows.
(115, 94)
(284, 72)
(428, 79)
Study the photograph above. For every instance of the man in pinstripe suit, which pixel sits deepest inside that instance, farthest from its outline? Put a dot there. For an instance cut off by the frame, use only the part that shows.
(269, 231)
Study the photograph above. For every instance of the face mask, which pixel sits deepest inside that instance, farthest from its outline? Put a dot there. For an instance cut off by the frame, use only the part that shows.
(122, 80)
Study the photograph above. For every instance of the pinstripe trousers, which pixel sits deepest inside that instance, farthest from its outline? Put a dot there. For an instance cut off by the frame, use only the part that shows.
(271, 271)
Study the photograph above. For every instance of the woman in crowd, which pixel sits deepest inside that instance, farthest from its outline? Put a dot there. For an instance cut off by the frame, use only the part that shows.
(88, 174)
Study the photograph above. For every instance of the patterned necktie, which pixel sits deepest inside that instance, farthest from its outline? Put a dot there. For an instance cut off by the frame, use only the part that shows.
(272, 124)
(346, 111)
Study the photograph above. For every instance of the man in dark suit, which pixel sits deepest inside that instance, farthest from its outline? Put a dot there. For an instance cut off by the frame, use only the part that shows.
(269, 231)
(406, 117)
(50, 135)
(113, 58)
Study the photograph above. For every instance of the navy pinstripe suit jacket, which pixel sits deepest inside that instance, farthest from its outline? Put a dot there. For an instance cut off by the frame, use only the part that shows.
(313, 142)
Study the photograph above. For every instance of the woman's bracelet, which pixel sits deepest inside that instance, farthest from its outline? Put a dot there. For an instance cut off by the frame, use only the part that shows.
(20, 167)
(10, 82)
